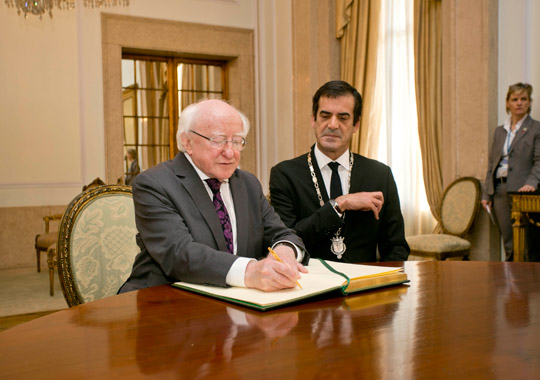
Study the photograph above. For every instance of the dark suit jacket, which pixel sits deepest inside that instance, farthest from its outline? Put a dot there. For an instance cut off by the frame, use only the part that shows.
(523, 158)
(132, 172)
(180, 234)
(294, 198)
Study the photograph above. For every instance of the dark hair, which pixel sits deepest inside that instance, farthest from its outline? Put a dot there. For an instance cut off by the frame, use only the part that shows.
(335, 89)
(133, 153)
(518, 87)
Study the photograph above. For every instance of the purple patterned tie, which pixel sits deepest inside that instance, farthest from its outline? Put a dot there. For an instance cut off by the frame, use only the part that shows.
(221, 210)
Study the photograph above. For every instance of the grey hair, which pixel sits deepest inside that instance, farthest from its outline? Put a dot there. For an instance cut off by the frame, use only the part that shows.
(190, 114)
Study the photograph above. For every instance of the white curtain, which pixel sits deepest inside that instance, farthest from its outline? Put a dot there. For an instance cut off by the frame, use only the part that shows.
(399, 145)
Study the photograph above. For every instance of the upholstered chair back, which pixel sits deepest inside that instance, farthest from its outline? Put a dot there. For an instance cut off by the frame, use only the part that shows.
(96, 246)
(460, 205)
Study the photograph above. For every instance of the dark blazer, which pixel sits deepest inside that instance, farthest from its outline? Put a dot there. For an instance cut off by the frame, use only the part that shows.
(132, 172)
(523, 158)
(180, 235)
(294, 198)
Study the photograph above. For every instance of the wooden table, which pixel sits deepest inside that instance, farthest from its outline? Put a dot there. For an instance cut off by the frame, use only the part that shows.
(522, 204)
(456, 320)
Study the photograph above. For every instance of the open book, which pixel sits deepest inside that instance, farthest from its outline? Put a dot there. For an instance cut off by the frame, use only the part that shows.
(323, 277)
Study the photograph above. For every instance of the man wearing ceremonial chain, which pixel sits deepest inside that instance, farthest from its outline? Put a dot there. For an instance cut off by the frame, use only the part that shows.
(344, 206)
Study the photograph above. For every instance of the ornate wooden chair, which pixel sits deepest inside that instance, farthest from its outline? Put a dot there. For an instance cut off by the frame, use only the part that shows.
(96, 246)
(459, 207)
(48, 240)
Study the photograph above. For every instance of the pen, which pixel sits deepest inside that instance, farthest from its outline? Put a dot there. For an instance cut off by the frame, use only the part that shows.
(279, 259)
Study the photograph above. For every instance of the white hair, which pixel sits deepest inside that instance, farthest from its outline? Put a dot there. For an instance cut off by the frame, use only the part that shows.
(189, 115)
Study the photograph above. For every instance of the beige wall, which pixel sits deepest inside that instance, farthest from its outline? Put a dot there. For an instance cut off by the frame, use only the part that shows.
(316, 60)
(519, 47)
(297, 53)
(274, 90)
(470, 54)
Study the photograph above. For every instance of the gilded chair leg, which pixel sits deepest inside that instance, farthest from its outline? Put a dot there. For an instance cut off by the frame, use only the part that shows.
(51, 253)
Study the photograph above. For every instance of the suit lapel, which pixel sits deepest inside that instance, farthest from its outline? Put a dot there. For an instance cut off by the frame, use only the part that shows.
(357, 175)
(241, 210)
(198, 193)
(499, 144)
(522, 132)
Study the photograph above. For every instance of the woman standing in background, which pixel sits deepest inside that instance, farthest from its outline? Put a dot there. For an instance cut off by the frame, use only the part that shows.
(133, 166)
(514, 160)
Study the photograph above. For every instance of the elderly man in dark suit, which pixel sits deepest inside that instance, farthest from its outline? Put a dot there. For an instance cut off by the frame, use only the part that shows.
(343, 205)
(203, 220)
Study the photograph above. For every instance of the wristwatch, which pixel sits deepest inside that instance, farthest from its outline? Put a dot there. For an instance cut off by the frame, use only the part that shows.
(335, 205)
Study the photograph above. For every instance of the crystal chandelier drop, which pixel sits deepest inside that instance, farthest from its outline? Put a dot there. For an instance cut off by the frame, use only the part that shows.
(39, 7)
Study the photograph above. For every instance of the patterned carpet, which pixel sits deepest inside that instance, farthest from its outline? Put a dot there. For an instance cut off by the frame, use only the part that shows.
(24, 290)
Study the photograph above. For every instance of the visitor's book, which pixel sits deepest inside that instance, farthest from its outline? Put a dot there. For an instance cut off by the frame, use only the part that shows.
(324, 277)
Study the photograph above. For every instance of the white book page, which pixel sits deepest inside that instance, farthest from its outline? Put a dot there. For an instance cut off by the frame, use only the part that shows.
(319, 280)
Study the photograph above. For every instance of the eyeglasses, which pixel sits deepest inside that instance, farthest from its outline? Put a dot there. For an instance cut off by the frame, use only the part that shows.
(238, 142)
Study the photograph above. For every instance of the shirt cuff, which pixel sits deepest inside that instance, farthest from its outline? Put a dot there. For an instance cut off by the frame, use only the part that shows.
(299, 252)
(335, 206)
(237, 272)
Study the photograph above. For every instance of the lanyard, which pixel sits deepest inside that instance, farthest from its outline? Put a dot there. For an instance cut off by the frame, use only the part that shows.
(507, 143)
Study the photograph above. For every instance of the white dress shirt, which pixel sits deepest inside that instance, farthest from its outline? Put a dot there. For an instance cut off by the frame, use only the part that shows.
(344, 168)
(502, 170)
(236, 274)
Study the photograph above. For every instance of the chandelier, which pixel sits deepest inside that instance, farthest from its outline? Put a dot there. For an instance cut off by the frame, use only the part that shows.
(39, 7)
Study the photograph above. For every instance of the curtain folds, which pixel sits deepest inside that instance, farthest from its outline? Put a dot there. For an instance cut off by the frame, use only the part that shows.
(357, 27)
(154, 127)
(378, 38)
(428, 78)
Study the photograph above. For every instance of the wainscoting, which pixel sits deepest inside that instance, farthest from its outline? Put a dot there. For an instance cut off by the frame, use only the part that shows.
(18, 229)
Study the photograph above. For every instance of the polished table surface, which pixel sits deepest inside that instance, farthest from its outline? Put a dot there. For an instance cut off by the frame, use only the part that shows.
(455, 320)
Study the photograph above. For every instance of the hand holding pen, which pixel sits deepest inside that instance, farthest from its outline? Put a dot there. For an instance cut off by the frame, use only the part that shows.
(279, 259)
(271, 274)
